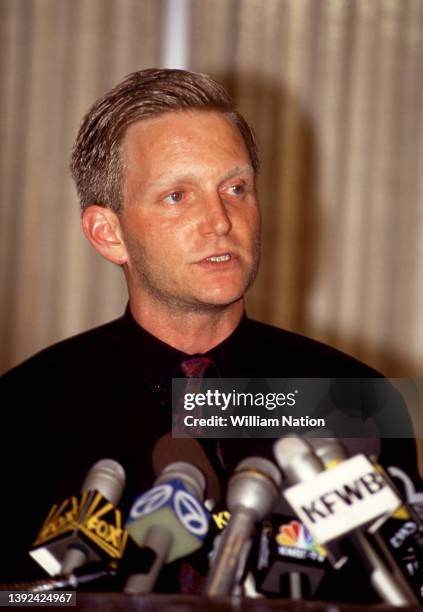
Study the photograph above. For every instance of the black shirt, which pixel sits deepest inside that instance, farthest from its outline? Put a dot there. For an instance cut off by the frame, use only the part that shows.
(106, 393)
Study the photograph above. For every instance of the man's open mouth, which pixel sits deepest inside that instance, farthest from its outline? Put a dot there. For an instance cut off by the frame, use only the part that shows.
(219, 258)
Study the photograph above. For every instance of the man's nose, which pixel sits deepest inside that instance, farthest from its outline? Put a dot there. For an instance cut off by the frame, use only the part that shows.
(216, 219)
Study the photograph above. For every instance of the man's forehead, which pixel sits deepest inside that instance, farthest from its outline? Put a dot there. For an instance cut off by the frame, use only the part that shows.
(203, 120)
(246, 170)
(185, 142)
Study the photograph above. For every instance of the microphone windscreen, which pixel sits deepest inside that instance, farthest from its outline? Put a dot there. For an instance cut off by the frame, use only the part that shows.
(108, 477)
(370, 447)
(169, 450)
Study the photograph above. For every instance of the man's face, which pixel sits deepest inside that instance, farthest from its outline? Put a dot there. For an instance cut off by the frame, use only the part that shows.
(190, 219)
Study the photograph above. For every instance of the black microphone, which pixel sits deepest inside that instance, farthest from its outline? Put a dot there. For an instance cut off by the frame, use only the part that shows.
(287, 561)
(337, 502)
(87, 527)
(170, 520)
(253, 490)
(88, 574)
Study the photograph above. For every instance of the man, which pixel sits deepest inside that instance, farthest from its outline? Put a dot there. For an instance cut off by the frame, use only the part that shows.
(165, 170)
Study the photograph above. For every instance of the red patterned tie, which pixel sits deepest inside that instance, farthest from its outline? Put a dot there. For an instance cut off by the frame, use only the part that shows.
(194, 370)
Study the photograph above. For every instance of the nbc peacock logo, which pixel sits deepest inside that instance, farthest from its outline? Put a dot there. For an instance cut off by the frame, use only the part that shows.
(295, 541)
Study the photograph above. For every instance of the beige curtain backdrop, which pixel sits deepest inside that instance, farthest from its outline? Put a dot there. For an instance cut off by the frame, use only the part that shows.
(334, 89)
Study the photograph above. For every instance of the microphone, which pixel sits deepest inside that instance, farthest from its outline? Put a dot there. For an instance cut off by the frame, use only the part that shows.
(339, 501)
(87, 527)
(398, 537)
(353, 493)
(288, 562)
(253, 490)
(168, 449)
(296, 562)
(170, 520)
(80, 577)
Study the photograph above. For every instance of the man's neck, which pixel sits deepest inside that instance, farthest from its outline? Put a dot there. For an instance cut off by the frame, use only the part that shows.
(190, 332)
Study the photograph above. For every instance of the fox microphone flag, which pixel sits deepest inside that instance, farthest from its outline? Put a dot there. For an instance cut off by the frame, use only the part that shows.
(86, 527)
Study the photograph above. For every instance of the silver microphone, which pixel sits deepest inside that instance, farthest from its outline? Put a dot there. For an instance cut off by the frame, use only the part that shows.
(253, 490)
(300, 459)
(389, 584)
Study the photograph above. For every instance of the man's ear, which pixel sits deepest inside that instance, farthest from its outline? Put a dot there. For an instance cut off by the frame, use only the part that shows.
(102, 228)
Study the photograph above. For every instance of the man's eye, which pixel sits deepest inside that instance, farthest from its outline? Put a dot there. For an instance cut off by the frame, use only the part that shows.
(238, 189)
(174, 197)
